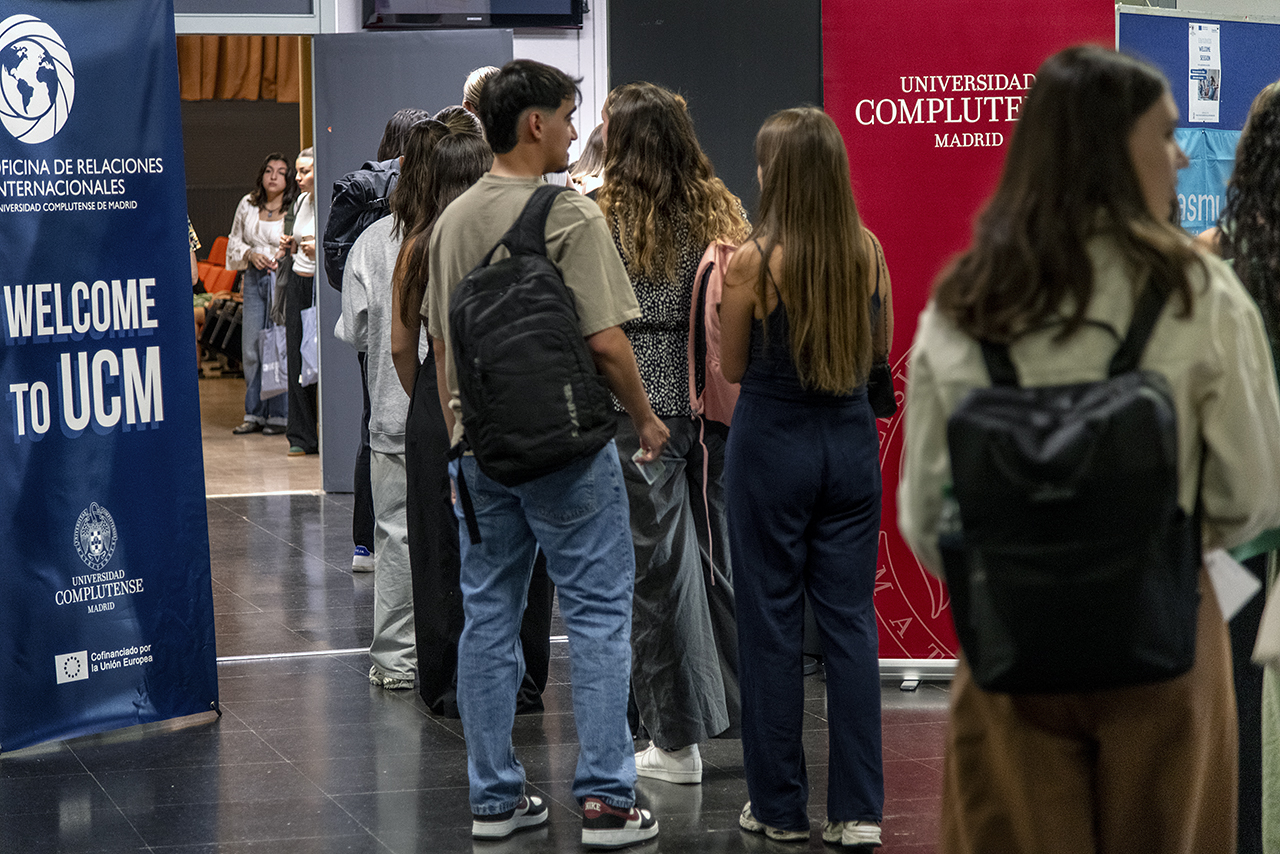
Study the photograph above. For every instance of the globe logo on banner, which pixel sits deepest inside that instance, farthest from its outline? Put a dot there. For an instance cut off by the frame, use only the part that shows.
(95, 536)
(37, 84)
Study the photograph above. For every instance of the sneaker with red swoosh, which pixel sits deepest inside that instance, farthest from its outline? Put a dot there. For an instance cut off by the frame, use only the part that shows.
(531, 811)
(604, 826)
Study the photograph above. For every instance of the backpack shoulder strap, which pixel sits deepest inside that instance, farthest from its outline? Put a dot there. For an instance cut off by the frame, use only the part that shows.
(697, 324)
(999, 365)
(528, 234)
(1145, 314)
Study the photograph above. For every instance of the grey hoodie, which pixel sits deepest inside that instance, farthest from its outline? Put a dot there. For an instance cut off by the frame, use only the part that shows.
(366, 325)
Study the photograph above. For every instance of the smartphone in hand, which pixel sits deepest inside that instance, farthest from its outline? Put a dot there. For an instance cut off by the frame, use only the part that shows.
(649, 471)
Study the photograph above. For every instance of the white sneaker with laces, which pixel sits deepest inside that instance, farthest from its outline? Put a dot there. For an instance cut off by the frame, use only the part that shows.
(864, 835)
(747, 821)
(674, 766)
(390, 683)
(530, 812)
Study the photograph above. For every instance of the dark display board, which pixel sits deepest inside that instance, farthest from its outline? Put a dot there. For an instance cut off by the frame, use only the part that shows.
(734, 65)
(1250, 59)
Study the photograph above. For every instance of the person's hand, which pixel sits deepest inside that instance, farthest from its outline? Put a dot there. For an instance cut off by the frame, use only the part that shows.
(308, 247)
(653, 435)
(287, 244)
(262, 262)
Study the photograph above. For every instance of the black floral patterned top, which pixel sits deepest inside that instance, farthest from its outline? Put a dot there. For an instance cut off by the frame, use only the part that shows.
(660, 336)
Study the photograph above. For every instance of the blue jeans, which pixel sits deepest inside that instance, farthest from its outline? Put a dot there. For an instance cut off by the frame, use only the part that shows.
(259, 287)
(579, 516)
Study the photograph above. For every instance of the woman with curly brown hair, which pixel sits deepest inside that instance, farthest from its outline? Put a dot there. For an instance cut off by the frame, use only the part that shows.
(664, 205)
(1249, 236)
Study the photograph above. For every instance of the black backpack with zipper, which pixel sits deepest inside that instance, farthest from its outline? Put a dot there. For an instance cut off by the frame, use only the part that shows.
(532, 399)
(1071, 565)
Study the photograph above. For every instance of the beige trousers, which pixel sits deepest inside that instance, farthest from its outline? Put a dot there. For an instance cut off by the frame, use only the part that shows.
(1144, 769)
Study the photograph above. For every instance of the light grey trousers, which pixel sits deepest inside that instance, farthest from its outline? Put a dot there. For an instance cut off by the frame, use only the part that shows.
(394, 650)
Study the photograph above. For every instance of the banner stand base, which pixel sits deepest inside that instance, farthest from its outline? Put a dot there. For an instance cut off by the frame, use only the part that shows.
(910, 672)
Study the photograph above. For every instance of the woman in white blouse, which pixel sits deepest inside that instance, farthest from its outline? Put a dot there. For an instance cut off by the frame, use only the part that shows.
(254, 246)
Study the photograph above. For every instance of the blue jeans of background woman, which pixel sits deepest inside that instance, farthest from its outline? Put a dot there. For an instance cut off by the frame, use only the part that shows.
(803, 485)
(258, 290)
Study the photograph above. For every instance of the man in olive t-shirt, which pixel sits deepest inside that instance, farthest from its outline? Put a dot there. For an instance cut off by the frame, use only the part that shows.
(578, 515)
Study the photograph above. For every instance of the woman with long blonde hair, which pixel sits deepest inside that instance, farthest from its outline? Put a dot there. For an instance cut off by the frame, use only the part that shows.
(664, 205)
(802, 298)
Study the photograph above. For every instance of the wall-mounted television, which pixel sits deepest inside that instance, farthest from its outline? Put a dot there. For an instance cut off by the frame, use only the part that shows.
(426, 14)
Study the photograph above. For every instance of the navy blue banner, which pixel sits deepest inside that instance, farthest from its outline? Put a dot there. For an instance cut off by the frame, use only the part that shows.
(106, 612)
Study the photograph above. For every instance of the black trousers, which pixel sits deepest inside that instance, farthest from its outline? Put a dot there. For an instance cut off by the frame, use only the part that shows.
(434, 562)
(1248, 682)
(301, 427)
(362, 512)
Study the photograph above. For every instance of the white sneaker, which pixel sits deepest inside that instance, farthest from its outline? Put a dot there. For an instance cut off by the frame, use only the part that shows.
(864, 834)
(604, 826)
(530, 812)
(674, 766)
(362, 560)
(748, 821)
(390, 683)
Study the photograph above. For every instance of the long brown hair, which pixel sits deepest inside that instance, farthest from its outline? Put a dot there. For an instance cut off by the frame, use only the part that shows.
(1068, 176)
(411, 201)
(455, 163)
(808, 212)
(656, 178)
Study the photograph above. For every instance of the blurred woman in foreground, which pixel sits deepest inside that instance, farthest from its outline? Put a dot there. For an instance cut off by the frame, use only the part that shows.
(1079, 227)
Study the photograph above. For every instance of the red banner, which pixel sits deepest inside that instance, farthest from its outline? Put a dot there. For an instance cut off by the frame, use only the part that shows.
(926, 97)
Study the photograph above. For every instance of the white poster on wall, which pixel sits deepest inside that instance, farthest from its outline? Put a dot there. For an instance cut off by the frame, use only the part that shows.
(1204, 84)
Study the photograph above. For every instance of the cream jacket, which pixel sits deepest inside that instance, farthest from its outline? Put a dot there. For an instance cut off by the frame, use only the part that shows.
(1217, 362)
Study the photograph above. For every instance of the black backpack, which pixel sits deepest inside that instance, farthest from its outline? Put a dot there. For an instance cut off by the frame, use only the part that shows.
(360, 199)
(1071, 565)
(532, 399)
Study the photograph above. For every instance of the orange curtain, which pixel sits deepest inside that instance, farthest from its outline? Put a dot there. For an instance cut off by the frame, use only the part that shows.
(249, 68)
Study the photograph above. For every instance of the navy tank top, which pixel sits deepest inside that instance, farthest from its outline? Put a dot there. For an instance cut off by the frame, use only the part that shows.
(771, 371)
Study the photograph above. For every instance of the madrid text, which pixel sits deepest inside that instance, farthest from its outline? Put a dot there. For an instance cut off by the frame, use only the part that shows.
(104, 389)
(97, 590)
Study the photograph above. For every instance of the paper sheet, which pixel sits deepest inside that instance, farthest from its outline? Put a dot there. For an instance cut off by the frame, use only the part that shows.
(1204, 84)
(1233, 584)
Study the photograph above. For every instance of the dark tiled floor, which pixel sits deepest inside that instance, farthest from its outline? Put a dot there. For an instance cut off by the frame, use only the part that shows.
(308, 757)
